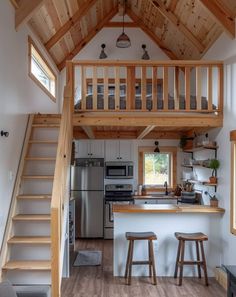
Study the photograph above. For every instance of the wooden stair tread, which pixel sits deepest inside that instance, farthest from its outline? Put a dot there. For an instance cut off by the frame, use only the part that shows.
(31, 217)
(46, 125)
(32, 141)
(29, 240)
(40, 159)
(40, 196)
(37, 176)
(27, 265)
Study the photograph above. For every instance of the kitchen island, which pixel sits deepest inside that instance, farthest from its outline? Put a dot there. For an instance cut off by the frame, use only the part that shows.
(165, 220)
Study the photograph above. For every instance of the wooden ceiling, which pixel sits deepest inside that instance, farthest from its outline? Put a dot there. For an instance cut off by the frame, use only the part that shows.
(183, 29)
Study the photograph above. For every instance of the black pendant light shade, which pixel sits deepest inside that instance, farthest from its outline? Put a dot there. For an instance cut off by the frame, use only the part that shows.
(145, 55)
(157, 150)
(103, 55)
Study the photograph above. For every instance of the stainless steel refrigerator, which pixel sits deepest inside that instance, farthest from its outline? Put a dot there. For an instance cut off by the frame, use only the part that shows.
(87, 188)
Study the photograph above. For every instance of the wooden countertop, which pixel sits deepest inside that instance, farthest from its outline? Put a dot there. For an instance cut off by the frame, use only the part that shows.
(166, 208)
(155, 198)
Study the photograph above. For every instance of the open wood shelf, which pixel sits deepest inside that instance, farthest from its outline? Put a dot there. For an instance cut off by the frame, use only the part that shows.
(205, 183)
(200, 148)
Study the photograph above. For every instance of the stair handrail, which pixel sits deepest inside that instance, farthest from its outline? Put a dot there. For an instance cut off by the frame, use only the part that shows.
(16, 189)
(61, 188)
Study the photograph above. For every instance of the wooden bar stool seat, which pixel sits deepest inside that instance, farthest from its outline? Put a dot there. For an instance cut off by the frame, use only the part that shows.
(180, 261)
(132, 236)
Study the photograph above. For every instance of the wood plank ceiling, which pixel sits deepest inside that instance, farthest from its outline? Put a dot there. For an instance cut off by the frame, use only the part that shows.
(183, 29)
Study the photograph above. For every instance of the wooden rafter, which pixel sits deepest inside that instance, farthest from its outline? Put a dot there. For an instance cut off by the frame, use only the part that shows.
(173, 5)
(82, 11)
(89, 131)
(221, 14)
(151, 34)
(88, 38)
(120, 24)
(178, 24)
(15, 3)
(145, 131)
(25, 10)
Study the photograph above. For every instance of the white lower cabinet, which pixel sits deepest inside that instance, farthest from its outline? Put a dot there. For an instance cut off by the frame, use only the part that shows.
(145, 201)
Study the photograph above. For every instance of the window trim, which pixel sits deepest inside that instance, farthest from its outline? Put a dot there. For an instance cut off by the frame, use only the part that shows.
(33, 77)
(233, 185)
(172, 150)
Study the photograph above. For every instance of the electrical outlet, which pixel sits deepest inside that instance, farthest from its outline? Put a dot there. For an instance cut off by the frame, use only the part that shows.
(10, 175)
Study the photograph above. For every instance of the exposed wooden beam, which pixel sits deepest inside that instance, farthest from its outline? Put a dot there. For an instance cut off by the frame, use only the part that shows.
(120, 25)
(89, 131)
(151, 34)
(15, 3)
(88, 38)
(146, 119)
(178, 24)
(145, 131)
(172, 5)
(25, 11)
(82, 11)
(221, 14)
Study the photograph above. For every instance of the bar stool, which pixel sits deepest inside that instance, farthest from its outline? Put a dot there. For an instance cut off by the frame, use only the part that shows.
(132, 236)
(180, 262)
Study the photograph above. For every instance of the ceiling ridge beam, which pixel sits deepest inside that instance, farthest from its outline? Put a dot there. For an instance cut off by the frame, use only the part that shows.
(88, 38)
(80, 13)
(146, 131)
(89, 131)
(120, 25)
(218, 11)
(151, 34)
(25, 11)
(178, 24)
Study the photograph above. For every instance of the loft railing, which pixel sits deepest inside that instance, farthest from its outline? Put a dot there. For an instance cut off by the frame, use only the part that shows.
(61, 189)
(156, 86)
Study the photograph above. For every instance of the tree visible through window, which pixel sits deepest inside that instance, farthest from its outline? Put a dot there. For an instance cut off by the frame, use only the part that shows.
(157, 169)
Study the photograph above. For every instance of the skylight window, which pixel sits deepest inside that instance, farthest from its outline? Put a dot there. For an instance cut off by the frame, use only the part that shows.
(40, 71)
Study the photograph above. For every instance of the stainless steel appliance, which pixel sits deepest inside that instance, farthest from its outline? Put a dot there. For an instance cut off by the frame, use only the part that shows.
(115, 194)
(87, 188)
(121, 170)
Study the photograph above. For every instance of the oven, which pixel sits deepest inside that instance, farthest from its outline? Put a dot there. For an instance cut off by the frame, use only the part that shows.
(119, 170)
(115, 194)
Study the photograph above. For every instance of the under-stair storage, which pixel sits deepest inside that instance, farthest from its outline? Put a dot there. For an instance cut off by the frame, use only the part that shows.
(28, 252)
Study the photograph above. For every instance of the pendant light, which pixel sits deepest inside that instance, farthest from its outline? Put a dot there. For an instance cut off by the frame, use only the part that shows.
(145, 55)
(123, 40)
(157, 150)
(103, 55)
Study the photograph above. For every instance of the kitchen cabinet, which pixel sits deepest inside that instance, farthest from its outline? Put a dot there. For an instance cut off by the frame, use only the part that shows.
(118, 150)
(89, 149)
(145, 201)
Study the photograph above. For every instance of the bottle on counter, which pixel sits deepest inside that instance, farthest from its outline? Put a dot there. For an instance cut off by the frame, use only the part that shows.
(140, 190)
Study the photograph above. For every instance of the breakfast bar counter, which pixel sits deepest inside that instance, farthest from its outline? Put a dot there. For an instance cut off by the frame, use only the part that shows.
(165, 220)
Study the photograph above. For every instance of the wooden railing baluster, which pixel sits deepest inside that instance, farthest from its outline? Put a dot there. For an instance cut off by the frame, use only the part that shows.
(209, 87)
(154, 88)
(143, 87)
(117, 88)
(106, 94)
(199, 87)
(95, 88)
(165, 88)
(187, 88)
(176, 87)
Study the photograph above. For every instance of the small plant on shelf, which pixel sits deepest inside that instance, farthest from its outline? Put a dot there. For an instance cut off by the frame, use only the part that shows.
(214, 202)
(214, 164)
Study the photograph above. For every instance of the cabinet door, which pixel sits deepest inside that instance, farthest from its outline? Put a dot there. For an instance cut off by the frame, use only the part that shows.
(97, 148)
(125, 147)
(82, 149)
(112, 150)
(145, 201)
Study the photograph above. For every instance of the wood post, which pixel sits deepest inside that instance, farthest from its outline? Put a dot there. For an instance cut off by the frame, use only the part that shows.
(187, 88)
(165, 87)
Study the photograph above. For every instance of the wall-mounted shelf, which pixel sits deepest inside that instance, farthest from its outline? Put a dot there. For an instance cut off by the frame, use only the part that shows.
(194, 165)
(199, 182)
(200, 148)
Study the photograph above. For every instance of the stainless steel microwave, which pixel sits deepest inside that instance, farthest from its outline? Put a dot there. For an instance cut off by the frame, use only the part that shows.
(122, 170)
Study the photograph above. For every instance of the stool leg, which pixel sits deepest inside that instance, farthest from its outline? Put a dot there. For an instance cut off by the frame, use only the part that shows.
(198, 259)
(149, 259)
(153, 263)
(177, 260)
(204, 263)
(181, 262)
(127, 261)
(130, 261)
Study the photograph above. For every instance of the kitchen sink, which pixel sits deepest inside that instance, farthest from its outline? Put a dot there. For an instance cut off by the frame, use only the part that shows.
(161, 195)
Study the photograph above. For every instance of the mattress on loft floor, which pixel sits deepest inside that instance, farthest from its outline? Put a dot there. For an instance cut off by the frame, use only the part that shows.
(149, 103)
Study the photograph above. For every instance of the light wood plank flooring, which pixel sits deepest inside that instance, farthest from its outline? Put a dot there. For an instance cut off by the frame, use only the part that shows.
(99, 281)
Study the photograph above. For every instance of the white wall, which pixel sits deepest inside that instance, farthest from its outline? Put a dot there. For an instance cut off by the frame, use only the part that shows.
(19, 96)
(225, 49)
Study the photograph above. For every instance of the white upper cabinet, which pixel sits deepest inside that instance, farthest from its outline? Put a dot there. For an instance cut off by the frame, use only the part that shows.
(118, 150)
(89, 149)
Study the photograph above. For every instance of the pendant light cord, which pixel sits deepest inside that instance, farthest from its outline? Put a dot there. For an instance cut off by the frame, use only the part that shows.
(124, 16)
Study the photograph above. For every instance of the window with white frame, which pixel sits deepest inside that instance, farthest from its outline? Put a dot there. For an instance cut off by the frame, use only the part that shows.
(41, 72)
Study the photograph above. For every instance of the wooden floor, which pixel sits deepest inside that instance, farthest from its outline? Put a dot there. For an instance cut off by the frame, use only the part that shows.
(99, 281)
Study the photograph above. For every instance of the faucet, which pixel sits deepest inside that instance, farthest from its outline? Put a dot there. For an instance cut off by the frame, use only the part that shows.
(165, 185)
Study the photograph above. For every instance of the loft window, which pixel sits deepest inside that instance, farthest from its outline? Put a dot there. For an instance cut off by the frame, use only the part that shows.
(41, 72)
(157, 168)
(233, 182)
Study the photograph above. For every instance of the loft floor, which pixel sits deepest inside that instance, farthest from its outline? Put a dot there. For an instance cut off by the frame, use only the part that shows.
(99, 281)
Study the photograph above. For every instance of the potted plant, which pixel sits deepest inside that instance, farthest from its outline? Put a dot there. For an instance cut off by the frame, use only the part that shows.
(214, 202)
(214, 164)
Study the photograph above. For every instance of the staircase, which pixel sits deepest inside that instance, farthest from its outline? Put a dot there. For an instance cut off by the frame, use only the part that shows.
(27, 254)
